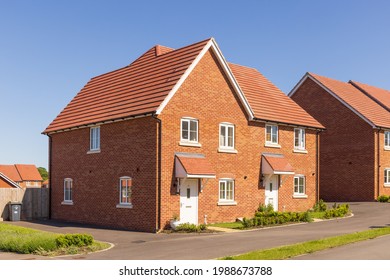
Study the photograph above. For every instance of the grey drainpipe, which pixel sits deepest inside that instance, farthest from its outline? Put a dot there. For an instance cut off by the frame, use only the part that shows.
(158, 174)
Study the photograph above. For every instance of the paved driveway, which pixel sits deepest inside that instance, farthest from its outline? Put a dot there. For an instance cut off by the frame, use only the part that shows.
(135, 245)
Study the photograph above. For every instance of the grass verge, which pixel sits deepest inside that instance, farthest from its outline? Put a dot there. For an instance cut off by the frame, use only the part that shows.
(30, 241)
(289, 251)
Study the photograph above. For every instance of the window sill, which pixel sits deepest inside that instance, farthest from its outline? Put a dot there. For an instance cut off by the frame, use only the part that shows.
(227, 203)
(228, 151)
(129, 206)
(93, 151)
(270, 145)
(67, 203)
(300, 151)
(300, 196)
(387, 148)
(386, 185)
(190, 144)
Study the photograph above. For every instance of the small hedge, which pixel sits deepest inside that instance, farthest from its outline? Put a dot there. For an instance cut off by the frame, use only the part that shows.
(187, 227)
(337, 211)
(383, 198)
(78, 240)
(266, 216)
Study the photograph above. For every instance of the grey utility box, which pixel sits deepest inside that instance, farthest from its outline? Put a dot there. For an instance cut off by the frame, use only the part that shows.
(15, 209)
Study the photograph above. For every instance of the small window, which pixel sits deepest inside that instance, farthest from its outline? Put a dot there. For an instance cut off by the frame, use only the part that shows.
(125, 190)
(387, 139)
(271, 134)
(299, 139)
(387, 176)
(299, 185)
(95, 138)
(68, 190)
(226, 136)
(189, 130)
(226, 190)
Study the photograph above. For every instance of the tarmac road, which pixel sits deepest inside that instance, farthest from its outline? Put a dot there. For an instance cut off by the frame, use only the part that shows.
(149, 246)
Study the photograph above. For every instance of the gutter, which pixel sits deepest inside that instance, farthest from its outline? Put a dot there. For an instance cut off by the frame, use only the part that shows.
(288, 124)
(158, 223)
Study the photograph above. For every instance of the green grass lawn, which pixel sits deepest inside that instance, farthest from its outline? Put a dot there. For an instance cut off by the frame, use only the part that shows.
(30, 241)
(285, 252)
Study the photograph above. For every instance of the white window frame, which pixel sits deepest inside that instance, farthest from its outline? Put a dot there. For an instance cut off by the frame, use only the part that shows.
(187, 141)
(301, 139)
(297, 192)
(224, 200)
(226, 147)
(387, 140)
(387, 177)
(272, 127)
(68, 191)
(129, 193)
(94, 139)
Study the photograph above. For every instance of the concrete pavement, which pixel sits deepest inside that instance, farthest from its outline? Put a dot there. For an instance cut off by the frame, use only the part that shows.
(139, 246)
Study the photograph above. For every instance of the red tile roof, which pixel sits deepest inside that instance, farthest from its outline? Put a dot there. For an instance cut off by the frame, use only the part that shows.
(144, 85)
(382, 96)
(196, 166)
(21, 172)
(357, 100)
(133, 90)
(278, 164)
(267, 101)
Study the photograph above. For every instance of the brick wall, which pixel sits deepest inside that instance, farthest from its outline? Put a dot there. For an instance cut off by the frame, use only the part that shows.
(347, 146)
(207, 96)
(127, 149)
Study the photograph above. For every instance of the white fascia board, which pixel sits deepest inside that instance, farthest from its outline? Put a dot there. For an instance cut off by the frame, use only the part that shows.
(9, 181)
(307, 75)
(213, 45)
(200, 176)
(284, 172)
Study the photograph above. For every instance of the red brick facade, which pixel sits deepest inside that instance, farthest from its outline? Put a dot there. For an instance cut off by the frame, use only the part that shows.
(131, 148)
(350, 158)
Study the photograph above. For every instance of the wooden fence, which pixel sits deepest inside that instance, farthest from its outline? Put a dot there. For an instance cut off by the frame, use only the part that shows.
(35, 202)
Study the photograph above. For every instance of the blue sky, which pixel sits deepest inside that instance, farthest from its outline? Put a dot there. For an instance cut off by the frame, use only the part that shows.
(50, 49)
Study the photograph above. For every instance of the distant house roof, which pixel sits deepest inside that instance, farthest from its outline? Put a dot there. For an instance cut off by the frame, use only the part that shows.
(21, 172)
(146, 86)
(351, 96)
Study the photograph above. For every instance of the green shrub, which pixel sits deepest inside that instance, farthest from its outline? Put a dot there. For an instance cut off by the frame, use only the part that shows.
(383, 198)
(187, 227)
(337, 211)
(320, 206)
(271, 217)
(78, 240)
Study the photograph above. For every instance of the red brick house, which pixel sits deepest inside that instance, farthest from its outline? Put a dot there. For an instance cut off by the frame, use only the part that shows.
(180, 132)
(355, 148)
(24, 175)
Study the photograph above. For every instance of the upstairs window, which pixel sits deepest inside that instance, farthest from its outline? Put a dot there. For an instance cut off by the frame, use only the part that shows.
(95, 138)
(125, 190)
(189, 130)
(387, 140)
(299, 139)
(226, 136)
(271, 134)
(68, 190)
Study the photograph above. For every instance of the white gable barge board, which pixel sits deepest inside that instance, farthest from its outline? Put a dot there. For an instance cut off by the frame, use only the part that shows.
(213, 45)
(308, 76)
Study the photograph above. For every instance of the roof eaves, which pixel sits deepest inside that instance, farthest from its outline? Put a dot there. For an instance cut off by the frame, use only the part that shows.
(9, 180)
(288, 124)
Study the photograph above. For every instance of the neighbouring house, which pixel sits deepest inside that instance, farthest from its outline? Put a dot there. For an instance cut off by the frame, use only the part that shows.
(24, 175)
(180, 132)
(355, 148)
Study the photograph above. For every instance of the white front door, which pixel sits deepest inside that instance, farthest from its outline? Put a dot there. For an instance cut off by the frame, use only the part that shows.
(189, 201)
(271, 191)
